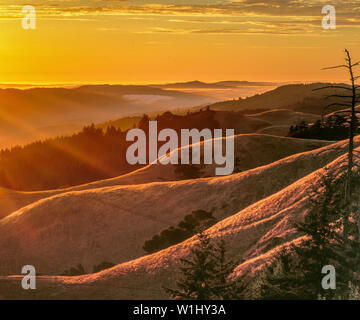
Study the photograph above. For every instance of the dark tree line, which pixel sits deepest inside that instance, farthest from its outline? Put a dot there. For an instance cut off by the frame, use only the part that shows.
(192, 223)
(332, 128)
(90, 155)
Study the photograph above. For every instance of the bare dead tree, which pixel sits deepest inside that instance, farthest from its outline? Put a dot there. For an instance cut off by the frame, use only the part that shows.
(348, 102)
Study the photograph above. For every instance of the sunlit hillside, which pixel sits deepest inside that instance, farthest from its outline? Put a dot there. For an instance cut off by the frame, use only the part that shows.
(255, 221)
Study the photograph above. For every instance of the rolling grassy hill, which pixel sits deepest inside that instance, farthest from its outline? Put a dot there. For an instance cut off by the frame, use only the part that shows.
(254, 230)
(111, 223)
(251, 150)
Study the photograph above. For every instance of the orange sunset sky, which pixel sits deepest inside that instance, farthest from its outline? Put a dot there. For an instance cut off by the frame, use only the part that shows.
(125, 41)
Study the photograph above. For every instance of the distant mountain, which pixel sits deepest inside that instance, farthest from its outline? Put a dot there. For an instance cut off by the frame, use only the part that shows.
(190, 85)
(90, 98)
(298, 97)
(25, 112)
(245, 83)
(86, 102)
(215, 85)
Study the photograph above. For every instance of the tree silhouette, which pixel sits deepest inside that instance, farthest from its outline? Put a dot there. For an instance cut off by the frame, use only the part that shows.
(205, 274)
(348, 101)
(295, 273)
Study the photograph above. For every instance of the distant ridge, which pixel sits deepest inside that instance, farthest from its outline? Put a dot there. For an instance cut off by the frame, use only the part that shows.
(297, 97)
(37, 108)
(212, 85)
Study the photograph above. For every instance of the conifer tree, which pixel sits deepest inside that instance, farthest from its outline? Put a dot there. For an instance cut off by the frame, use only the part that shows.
(331, 227)
(197, 273)
(278, 280)
(205, 274)
(224, 288)
(296, 272)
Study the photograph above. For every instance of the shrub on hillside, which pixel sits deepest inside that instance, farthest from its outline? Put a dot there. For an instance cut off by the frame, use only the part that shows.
(189, 226)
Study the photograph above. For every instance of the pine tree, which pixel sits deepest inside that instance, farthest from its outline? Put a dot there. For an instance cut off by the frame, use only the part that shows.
(224, 288)
(278, 280)
(197, 273)
(296, 272)
(321, 227)
(331, 227)
(205, 274)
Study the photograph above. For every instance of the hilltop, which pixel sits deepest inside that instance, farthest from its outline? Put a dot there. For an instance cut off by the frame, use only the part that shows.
(297, 97)
(214, 85)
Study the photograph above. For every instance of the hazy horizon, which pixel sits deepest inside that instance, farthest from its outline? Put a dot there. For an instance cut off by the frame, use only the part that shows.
(28, 85)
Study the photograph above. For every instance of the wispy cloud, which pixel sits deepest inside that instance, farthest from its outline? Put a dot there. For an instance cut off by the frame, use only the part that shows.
(241, 16)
